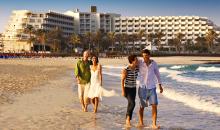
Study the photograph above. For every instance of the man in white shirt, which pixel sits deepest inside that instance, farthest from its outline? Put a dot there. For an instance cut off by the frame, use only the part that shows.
(149, 77)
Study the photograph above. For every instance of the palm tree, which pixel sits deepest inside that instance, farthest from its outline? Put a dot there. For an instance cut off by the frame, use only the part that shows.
(56, 38)
(41, 37)
(189, 46)
(74, 39)
(159, 35)
(133, 38)
(140, 34)
(2, 44)
(210, 37)
(29, 29)
(97, 39)
(88, 37)
(118, 38)
(201, 45)
(125, 39)
(178, 40)
(111, 36)
(150, 37)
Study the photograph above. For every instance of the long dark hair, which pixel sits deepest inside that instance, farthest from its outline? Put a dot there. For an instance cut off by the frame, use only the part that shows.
(96, 57)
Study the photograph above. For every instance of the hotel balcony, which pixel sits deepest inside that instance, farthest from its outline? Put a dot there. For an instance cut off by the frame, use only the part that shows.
(203, 27)
(130, 28)
(163, 28)
(143, 28)
(210, 27)
(196, 32)
(183, 27)
(136, 27)
(130, 23)
(190, 28)
(123, 28)
(124, 23)
(170, 28)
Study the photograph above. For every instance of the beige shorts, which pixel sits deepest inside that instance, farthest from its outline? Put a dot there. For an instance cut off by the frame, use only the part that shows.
(83, 90)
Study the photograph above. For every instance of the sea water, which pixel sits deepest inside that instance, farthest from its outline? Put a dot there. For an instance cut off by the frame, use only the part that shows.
(191, 98)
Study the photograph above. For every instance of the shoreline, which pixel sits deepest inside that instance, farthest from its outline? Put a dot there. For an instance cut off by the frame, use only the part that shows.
(71, 61)
(54, 104)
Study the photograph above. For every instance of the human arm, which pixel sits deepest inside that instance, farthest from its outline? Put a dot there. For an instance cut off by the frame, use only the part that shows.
(76, 72)
(100, 74)
(157, 73)
(123, 76)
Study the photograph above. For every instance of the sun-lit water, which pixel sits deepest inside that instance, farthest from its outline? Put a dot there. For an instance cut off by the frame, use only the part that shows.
(190, 100)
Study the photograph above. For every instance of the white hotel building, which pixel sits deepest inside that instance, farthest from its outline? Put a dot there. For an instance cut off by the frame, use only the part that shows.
(14, 36)
(82, 22)
(92, 21)
(70, 22)
(190, 26)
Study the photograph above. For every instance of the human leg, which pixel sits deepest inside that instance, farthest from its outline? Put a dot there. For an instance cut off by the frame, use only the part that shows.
(154, 102)
(86, 99)
(130, 96)
(81, 88)
(96, 104)
(154, 117)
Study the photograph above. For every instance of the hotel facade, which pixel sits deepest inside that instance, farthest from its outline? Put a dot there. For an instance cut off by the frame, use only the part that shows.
(15, 40)
(74, 21)
(190, 26)
(92, 21)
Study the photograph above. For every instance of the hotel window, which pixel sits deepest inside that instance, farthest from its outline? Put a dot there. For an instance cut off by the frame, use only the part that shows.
(31, 20)
(123, 21)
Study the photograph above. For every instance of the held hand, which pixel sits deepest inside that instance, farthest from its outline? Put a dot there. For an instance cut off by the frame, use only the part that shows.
(123, 93)
(161, 89)
(77, 80)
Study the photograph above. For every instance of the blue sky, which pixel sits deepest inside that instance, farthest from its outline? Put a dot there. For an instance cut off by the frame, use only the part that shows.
(207, 8)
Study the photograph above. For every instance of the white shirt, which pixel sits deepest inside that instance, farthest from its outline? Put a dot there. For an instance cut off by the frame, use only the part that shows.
(149, 76)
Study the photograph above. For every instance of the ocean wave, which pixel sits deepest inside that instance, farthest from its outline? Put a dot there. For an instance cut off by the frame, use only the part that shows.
(192, 101)
(113, 67)
(112, 74)
(208, 69)
(177, 66)
(175, 75)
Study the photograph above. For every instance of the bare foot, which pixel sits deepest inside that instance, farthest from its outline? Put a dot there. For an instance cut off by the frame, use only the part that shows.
(95, 111)
(155, 127)
(128, 123)
(83, 109)
(140, 125)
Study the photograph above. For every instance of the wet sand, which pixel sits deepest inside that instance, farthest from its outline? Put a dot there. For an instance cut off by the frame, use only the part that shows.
(41, 94)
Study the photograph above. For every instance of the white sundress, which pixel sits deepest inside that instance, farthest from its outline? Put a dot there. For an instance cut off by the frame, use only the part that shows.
(96, 90)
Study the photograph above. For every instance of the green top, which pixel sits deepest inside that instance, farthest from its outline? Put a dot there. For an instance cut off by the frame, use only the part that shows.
(82, 70)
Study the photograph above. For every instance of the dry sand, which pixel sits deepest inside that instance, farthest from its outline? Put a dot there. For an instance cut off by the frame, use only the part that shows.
(38, 94)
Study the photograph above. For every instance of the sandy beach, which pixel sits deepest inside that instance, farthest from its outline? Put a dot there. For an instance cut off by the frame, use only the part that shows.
(40, 93)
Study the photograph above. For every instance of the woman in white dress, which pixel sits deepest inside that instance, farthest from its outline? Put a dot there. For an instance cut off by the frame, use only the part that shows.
(95, 90)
